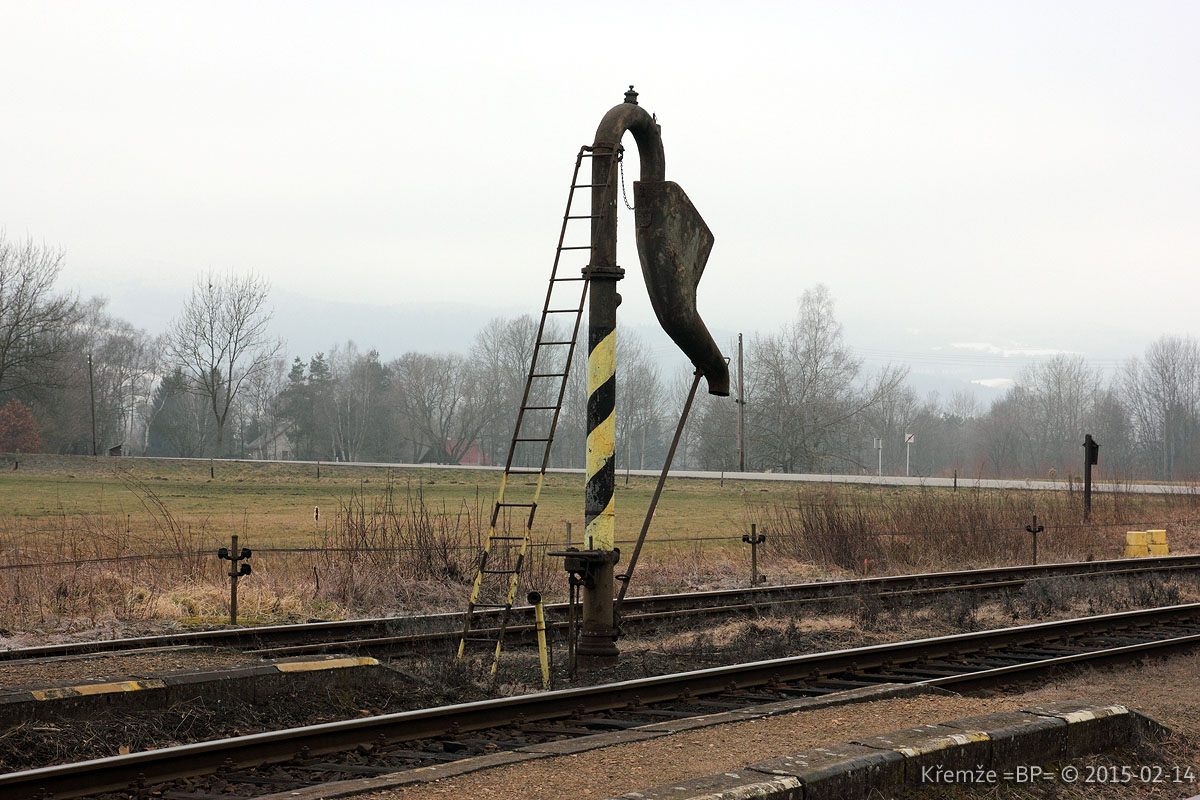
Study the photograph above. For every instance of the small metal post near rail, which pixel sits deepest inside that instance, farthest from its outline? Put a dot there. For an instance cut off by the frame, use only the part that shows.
(233, 556)
(1091, 456)
(754, 539)
(539, 615)
(1035, 529)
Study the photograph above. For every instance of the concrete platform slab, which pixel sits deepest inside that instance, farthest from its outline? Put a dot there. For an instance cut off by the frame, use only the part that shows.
(1017, 737)
(1089, 728)
(952, 748)
(838, 771)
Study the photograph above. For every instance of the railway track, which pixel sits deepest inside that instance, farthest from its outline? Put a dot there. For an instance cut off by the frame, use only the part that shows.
(280, 761)
(391, 635)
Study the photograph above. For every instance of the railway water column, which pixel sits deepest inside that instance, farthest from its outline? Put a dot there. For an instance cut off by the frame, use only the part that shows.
(673, 246)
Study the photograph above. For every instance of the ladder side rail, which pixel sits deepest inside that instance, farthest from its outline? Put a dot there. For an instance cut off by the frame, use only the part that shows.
(614, 154)
(522, 549)
(512, 447)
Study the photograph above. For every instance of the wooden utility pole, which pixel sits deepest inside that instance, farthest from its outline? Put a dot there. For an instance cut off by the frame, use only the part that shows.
(741, 404)
(92, 393)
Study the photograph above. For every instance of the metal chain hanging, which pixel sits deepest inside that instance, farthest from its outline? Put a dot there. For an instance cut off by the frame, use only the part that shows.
(621, 161)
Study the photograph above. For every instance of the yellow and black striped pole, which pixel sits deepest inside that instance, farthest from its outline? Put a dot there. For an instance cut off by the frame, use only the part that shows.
(601, 437)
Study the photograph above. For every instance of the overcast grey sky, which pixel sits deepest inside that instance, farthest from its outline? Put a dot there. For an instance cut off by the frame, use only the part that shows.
(1010, 174)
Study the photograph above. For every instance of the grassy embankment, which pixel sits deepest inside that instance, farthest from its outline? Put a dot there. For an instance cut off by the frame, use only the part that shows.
(392, 540)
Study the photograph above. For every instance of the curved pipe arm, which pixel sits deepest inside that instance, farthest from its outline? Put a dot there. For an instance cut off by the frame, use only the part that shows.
(631, 117)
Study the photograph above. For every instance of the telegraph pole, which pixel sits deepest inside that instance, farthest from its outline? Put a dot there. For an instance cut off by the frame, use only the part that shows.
(92, 393)
(741, 404)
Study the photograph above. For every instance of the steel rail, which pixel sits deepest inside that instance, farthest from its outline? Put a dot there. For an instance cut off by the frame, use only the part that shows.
(119, 772)
(381, 632)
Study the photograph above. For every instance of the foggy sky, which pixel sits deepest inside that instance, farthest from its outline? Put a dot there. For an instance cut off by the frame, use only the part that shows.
(1020, 175)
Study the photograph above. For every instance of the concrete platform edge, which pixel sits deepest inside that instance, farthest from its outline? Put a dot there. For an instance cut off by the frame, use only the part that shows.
(903, 759)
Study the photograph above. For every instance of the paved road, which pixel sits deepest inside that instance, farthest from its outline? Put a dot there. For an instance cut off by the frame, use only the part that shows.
(782, 477)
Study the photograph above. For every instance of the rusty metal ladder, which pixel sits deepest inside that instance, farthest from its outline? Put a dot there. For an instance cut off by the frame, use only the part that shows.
(498, 573)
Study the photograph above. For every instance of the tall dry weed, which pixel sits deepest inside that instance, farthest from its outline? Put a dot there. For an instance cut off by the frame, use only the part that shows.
(916, 530)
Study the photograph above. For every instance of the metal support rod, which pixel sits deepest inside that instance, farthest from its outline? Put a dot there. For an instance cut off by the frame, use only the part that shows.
(572, 623)
(662, 479)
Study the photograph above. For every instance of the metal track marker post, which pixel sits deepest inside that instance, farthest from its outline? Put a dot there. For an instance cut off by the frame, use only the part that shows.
(1035, 529)
(233, 556)
(754, 539)
(539, 614)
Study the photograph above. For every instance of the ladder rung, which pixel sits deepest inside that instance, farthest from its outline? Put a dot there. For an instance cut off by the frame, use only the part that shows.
(498, 571)
(525, 470)
(508, 538)
(514, 505)
(581, 216)
(587, 185)
(577, 247)
(540, 408)
(548, 375)
(568, 341)
(564, 310)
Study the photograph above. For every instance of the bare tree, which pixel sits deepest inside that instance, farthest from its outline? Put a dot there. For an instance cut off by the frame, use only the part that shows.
(35, 322)
(640, 397)
(502, 352)
(1162, 392)
(442, 403)
(804, 389)
(222, 341)
(357, 416)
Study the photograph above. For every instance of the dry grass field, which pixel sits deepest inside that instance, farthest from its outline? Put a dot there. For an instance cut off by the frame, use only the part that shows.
(124, 544)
